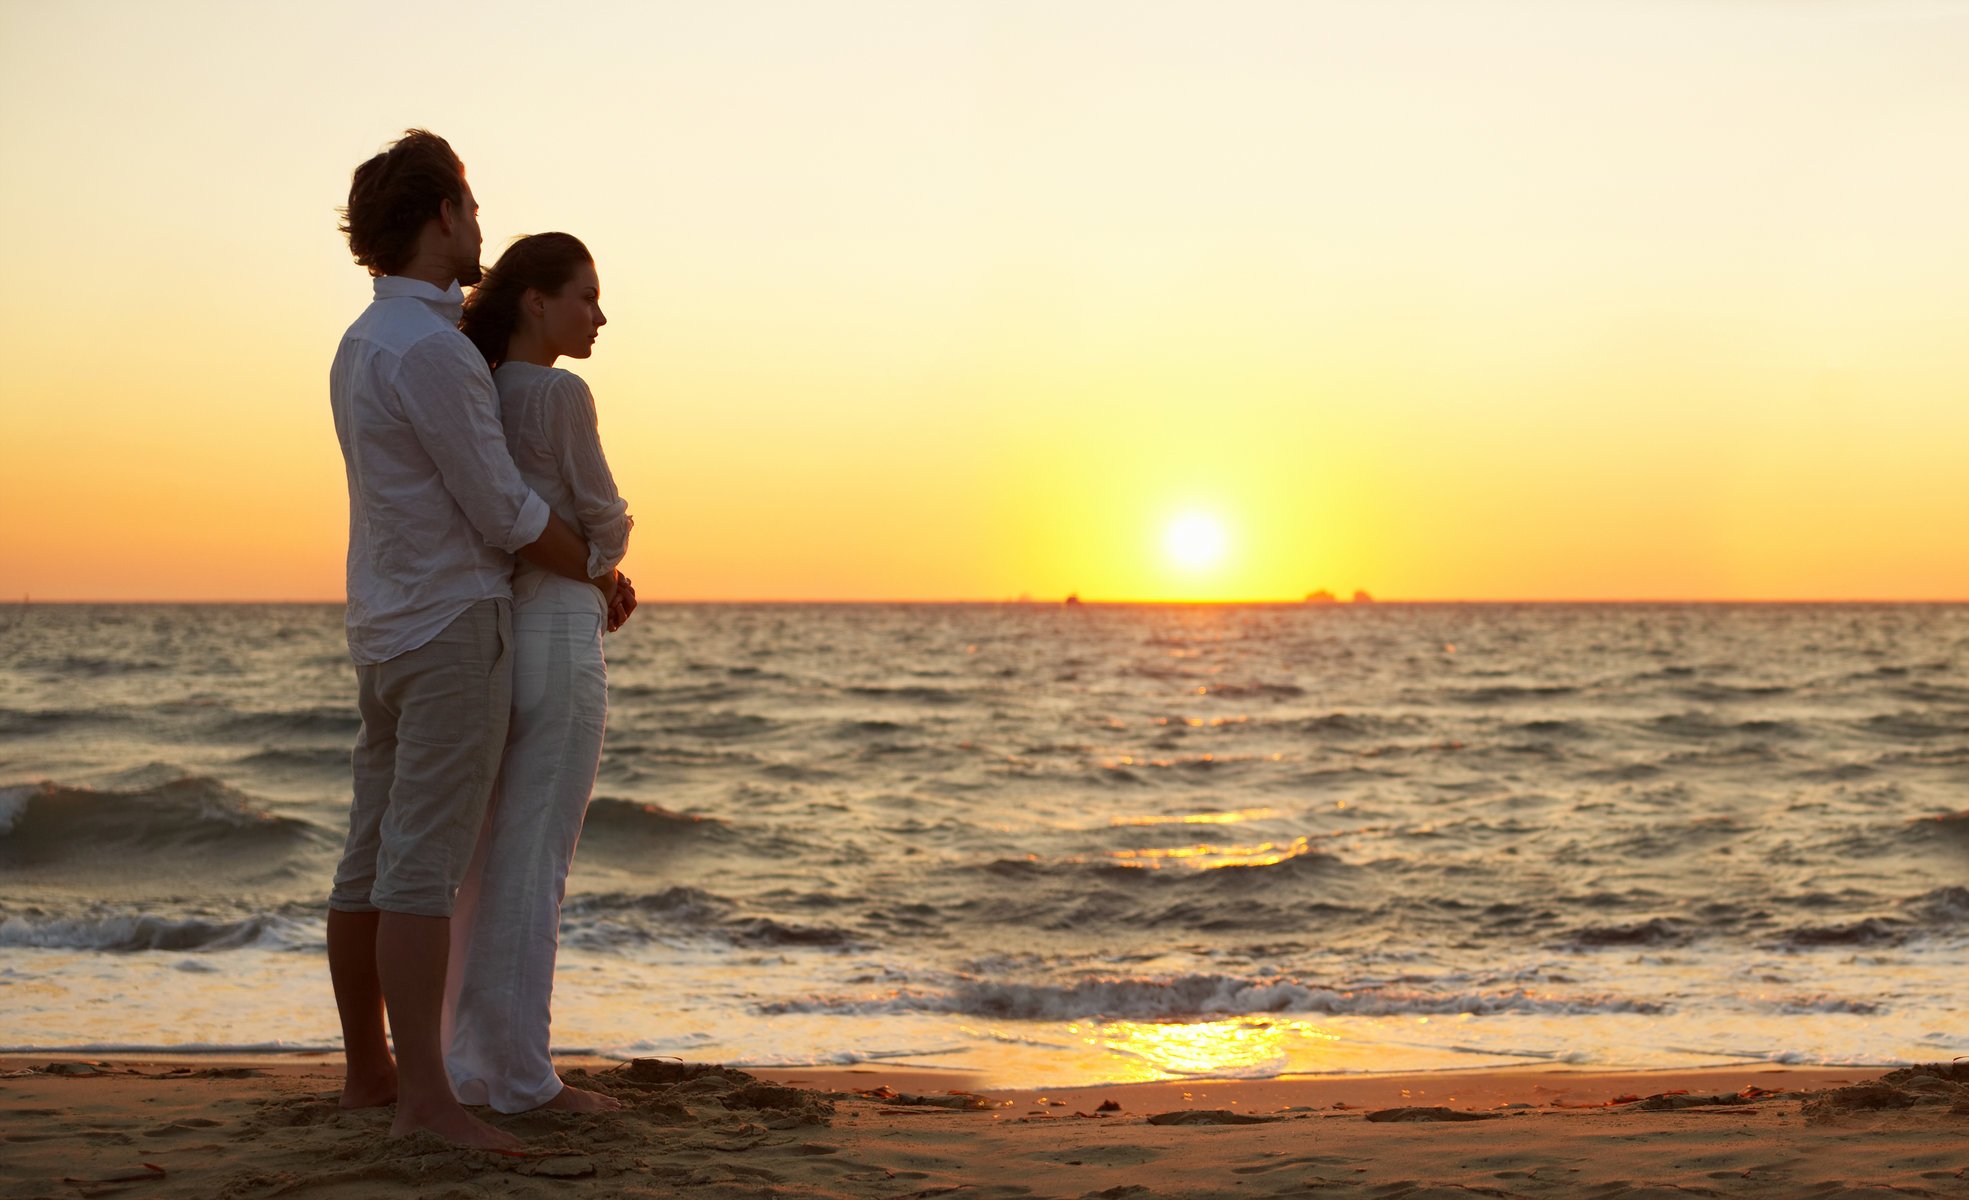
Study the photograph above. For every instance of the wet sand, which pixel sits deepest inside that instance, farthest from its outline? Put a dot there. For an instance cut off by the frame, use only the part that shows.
(270, 1127)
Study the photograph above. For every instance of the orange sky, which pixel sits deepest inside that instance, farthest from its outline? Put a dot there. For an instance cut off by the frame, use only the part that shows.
(1462, 299)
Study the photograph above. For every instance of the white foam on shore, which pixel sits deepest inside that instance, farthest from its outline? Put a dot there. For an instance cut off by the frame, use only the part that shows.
(225, 1048)
(142, 931)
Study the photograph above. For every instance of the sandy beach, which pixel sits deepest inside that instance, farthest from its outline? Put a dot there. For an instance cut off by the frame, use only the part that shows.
(238, 1130)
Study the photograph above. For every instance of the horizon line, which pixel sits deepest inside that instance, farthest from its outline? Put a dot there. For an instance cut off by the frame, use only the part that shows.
(28, 601)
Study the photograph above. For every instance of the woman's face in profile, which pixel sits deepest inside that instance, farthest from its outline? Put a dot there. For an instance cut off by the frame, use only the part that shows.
(572, 318)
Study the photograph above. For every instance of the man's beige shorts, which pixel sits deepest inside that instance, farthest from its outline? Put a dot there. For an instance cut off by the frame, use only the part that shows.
(433, 729)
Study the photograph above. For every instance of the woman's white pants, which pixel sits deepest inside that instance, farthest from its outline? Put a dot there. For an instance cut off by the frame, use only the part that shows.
(505, 928)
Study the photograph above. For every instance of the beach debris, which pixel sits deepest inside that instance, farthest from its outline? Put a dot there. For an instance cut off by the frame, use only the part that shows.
(1433, 1113)
(73, 1068)
(207, 1073)
(954, 1101)
(1674, 1101)
(1616, 1102)
(1108, 1106)
(1208, 1116)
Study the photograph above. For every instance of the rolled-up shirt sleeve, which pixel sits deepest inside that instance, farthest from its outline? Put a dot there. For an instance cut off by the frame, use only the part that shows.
(449, 402)
(603, 513)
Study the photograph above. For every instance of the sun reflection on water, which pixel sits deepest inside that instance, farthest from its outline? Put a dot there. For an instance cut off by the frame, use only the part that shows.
(1249, 1046)
(1203, 818)
(1206, 857)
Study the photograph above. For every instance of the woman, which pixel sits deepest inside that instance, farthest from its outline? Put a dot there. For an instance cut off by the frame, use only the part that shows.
(540, 302)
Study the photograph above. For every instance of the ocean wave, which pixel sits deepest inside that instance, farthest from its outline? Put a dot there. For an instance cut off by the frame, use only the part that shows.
(859, 730)
(914, 693)
(1192, 997)
(130, 932)
(1656, 931)
(1509, 693)
(625, 751)
(1566, 730)
(724, 726)
(1826, 1004)
(765, 931)
(1199, 866)
(683, 903)
(325, 721)
(1932, 694)
(1868, 931)
(1702, 726)
(616, 920)
(1360, 725)
(1919, 726)
(226, 1048)
(1724, 693)
(631, 823)
(1256, 691)
(17, 722)
(190, 816)
(319, 758)
(667, 694)
(1942, 906)
(1336, 777)
(1633, 772)
(70, 665)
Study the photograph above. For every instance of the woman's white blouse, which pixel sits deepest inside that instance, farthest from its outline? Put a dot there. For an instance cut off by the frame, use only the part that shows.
(549, 416)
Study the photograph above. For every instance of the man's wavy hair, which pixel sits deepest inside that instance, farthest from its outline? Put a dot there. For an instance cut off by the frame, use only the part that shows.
(394, 194)
(541, 261)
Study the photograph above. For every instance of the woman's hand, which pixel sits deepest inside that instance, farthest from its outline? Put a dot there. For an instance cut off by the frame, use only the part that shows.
(623, 603)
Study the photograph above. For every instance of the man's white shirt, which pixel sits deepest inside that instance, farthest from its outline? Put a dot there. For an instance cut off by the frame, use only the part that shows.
(436, 506)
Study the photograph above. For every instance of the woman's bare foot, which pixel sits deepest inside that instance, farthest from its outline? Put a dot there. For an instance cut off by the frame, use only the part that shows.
(371, 1090)
(574, 1099)
(455, 1125)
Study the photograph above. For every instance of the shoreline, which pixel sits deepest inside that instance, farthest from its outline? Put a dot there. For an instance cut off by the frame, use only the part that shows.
(1485, 1080)
(255, 1126)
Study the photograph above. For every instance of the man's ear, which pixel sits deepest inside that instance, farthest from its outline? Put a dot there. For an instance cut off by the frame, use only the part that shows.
(447, 215)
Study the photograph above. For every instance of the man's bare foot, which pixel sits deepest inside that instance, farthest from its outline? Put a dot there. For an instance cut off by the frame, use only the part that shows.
(370, 1091)
(455, 1125)
(574, 1099)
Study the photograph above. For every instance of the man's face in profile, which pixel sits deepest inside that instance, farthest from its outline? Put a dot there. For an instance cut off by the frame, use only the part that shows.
(466, 238)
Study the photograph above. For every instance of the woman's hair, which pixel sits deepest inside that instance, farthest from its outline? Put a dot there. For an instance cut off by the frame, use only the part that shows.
(393, 194)
(541, 261)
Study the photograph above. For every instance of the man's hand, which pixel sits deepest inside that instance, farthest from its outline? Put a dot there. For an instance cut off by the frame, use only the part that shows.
(623, 604)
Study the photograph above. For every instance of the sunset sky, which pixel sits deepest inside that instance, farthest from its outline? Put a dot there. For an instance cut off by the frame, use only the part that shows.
(923, 300)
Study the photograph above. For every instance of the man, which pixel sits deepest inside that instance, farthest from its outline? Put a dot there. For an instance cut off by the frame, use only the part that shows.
(436, 511)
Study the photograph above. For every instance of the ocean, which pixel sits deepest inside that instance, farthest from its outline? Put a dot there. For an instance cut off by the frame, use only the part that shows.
(1064, 845)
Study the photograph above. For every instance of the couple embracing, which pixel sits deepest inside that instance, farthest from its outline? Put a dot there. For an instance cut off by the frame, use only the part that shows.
(485, 532)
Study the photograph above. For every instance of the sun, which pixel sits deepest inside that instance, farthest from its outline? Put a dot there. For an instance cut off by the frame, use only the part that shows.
(1195, 541)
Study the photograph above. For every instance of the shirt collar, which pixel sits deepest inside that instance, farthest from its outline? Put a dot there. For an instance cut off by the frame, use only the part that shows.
(390, 287)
